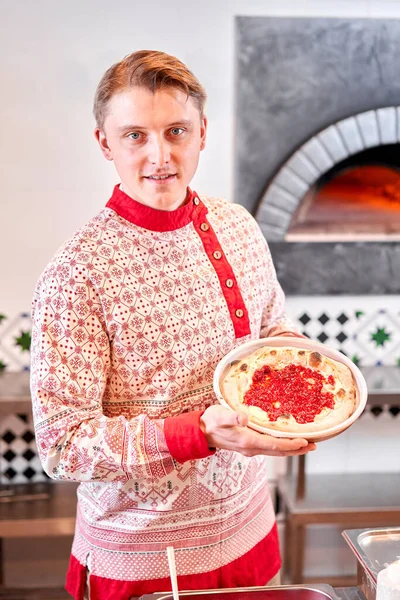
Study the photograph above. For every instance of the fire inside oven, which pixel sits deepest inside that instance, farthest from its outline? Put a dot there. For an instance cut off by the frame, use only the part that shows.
(359, 198)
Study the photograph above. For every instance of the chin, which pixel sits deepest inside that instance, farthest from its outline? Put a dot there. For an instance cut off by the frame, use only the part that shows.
(169, 196)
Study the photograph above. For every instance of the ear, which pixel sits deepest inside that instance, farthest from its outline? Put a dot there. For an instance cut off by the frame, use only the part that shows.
(203, 132)
(103, 143)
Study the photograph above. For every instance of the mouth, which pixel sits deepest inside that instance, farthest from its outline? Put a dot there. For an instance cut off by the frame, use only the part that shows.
(164, 178)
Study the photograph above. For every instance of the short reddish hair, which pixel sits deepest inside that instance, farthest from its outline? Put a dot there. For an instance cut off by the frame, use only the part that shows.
(150, 69)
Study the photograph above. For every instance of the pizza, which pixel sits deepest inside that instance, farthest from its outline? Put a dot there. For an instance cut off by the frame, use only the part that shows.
(291, 389)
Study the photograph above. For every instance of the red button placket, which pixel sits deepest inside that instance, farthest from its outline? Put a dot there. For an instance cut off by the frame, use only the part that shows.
(230, 289)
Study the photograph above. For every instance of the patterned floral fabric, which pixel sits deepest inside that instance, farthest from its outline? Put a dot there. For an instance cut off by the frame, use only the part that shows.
(129, 320)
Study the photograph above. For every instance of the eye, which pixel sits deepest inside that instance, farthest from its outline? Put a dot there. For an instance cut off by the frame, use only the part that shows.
(135, 135)
(177, 131)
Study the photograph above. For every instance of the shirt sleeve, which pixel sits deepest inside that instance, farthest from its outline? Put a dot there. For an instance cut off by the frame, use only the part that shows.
(71, 363)
(185, 439)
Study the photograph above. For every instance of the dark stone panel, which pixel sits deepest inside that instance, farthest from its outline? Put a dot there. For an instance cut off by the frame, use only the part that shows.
(296, 76)
(337, 268)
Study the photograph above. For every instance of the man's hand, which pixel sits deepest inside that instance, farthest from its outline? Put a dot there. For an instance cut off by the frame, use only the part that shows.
(227, 429)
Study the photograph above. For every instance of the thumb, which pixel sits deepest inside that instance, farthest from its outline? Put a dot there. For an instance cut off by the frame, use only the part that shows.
(242, 418)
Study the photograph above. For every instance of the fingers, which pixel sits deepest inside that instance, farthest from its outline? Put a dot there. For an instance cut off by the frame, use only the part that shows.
(286, 444)
(299, 452)
(228, 429)
(279, 452)
(303, 450)
(253, 443)
(293, 444)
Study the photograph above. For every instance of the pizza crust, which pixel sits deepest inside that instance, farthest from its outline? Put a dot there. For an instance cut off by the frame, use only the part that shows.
(239, 377)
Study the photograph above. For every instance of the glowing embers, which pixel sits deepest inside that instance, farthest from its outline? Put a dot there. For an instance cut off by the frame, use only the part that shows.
(355, 202)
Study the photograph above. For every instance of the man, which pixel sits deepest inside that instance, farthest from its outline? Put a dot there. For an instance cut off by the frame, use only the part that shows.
(130, 319)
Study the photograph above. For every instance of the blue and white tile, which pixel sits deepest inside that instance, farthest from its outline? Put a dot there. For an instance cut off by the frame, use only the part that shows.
(20, 462)
(378, 337)
(11, 329)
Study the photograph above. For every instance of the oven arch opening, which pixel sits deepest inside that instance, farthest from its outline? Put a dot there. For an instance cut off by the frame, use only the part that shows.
(360, 148)
(357, 199)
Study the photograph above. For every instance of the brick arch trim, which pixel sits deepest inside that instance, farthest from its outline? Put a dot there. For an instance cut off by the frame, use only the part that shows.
(315, 157)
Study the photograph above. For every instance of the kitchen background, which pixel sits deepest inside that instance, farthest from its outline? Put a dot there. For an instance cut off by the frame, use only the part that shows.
(53, 178)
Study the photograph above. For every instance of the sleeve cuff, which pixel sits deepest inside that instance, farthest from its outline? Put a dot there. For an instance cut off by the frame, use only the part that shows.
(185, 439)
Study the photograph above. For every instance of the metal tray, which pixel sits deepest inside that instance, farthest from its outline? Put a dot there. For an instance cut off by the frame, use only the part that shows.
(381, 547)
(375, 548)
(284, 592)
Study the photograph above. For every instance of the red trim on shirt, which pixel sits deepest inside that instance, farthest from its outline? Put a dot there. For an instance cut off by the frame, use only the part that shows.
(224, 271)
(255, 568)
(76, 578)
(193, 211)
(185, 439)
(153, 219)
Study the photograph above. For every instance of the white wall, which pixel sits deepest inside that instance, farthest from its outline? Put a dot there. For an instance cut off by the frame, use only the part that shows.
(52, 55)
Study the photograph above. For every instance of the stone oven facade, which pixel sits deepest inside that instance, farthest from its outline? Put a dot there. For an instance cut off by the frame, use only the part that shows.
(315, 99)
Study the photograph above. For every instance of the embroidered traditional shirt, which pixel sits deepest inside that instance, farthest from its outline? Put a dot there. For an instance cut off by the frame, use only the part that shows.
(130, 318)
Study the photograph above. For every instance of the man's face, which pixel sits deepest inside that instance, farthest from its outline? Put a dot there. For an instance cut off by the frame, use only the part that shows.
(155, 142)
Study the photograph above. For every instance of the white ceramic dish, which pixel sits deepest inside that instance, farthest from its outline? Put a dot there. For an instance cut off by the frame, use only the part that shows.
(245, 349)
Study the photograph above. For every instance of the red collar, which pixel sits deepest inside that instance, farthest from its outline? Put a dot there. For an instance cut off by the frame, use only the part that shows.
(152, 218)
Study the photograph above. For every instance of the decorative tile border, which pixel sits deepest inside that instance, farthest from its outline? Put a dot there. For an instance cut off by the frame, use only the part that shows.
(19, 460)
(367, 331)
(15, 340)
(365, 338)
(376, 338)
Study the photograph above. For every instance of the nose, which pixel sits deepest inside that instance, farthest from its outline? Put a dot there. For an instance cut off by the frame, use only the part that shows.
(159, 151)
